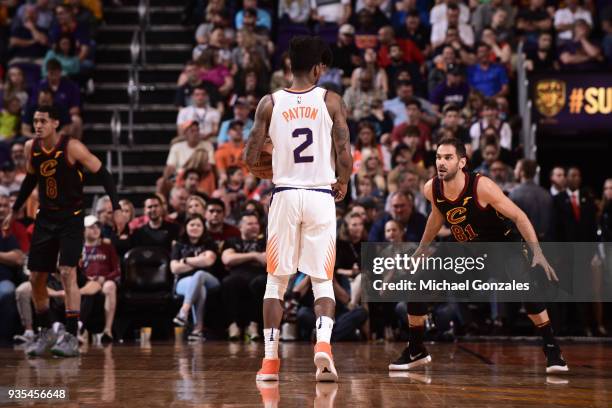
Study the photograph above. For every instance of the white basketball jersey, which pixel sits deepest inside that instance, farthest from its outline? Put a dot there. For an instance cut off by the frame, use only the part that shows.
(300, 130)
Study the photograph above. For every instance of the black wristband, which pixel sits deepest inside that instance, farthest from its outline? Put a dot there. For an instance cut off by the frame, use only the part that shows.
(109, 186)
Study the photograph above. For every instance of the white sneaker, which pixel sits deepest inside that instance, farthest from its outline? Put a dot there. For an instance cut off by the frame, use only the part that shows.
(27, 336)
(234, 332)
(252, 331)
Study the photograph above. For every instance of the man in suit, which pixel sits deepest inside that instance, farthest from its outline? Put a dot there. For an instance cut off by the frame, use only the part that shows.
(557, 180)
(575, 220)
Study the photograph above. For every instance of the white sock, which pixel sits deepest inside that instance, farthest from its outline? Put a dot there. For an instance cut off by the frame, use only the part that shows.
(324, 329)
(271, 337)
(28, 333)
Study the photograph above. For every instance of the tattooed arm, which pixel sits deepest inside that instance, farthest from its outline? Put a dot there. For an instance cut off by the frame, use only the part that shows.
(259, 132)
(341, 138)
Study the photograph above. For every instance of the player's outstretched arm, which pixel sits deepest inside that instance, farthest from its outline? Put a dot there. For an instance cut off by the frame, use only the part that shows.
(434, 221)
(341, 138)
(259, 131)
(489, 193)
(79, 153)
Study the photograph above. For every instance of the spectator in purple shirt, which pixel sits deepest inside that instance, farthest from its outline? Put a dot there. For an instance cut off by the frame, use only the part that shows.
(488, 78)
(28, 42)
(66, 94)
(453, 90)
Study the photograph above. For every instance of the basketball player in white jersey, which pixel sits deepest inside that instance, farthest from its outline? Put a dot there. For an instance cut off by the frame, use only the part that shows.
(311, 164)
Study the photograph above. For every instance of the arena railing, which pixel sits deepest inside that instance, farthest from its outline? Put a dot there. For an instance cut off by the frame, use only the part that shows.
(524, 106)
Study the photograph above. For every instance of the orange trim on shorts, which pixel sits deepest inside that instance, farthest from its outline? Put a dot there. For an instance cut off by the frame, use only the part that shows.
(272, 254)
(330, 260)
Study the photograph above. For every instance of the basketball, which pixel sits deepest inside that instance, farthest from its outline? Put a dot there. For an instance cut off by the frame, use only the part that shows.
(263, 167)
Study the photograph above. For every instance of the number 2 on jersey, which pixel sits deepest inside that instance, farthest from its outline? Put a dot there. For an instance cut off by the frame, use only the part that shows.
(297, 152)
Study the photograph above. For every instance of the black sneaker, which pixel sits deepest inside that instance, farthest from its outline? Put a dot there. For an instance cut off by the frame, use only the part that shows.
(180, 321)
(555, 363)
(106, 339)
(408, 361)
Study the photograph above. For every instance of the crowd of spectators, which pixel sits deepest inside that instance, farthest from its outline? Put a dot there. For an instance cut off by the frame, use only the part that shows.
(410, 73)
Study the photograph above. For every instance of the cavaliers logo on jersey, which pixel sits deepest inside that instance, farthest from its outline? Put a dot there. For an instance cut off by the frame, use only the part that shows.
(455, 216)
(47, 168)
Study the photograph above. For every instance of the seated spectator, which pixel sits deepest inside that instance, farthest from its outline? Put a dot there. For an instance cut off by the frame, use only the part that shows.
(351, 234)
(44, 98)
(83, 14)
(378, 75)
(230, 153)
(439, 13)
(263, 17)
(244, 287)
(464, 53)
(200, 111)
(346, 54)
(372, 167)
(191, 256)
(397, 106)
(157, 232)
(191, 180)
(19, 160)
(490, 118)
(408, 182)
(181, 152)
(241, 111)
(101, 264)
(397, 64)
(606, 25)
(491, 136)
(501, 174)
(15, 86)
(64, 52)
(178, 205)
(44, 13)
(542, 58)
(402, 210)
(453, 90)
(489, 152)
(283, 77)
(401, 162)
(500, 50)
(359, 99)
(532, 20)
(232, 193)
(28, 41)
(218, 19)
(11, 260)
(366, 145)
(439, 29)
(121, 239)
(581, 54)
(66, 24)
(213, 72)
(293, 12)
(365, 187)
(208, 175)
(414, 29)
(410, 51)
(379, 18)
(566, 17)
(188, 81)
(104, 217)
(10, 119)
(248, 82)
(260, 33)
(218, 229)
(485, 15)
(196, 205)
(451, 121)
(415, 118)
(382, 121)
(488, 78)
(66, 95)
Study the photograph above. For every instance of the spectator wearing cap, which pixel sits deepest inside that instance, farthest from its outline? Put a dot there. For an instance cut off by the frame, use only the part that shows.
(346, 54)
(453, 90)
(180, 152)
(486, 77)
(439, 28)
(330, 12)
(242, 111)
(100, 263)
(66, 95)
(230, 153)
(359, 99)
(582, 53)
(490, 118)
(11, 260)
(208, 118)
(263, 17)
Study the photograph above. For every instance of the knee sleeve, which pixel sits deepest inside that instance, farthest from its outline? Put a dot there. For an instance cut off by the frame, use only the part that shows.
(534, 308)
(322, 288)
(276, 286)
(416, 308)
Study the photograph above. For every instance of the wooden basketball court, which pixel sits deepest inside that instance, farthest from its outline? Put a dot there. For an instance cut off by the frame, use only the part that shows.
(170, 374)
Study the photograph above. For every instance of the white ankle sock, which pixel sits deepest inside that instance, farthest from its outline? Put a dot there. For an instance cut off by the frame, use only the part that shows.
(271, 337)
(324, 329)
